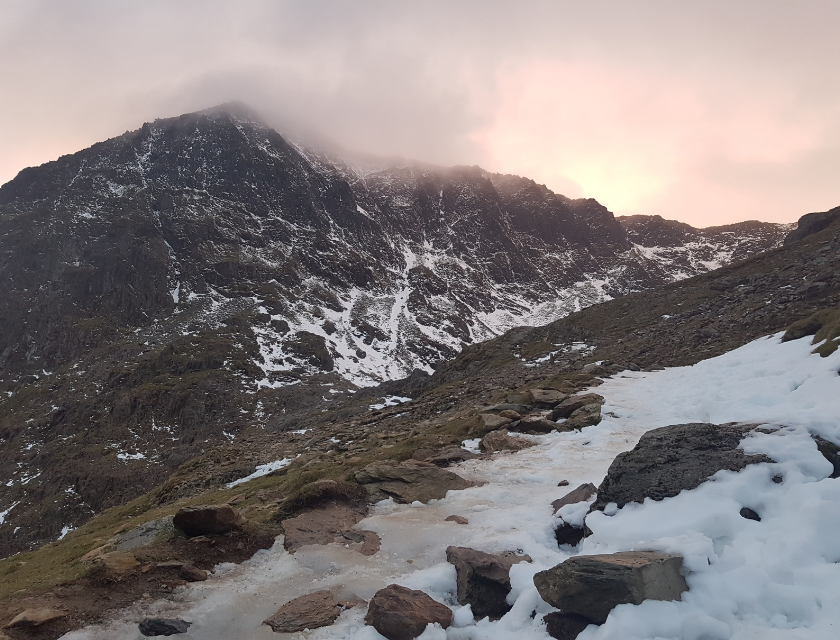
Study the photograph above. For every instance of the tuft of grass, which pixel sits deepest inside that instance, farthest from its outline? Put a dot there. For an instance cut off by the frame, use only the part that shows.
(824, 325)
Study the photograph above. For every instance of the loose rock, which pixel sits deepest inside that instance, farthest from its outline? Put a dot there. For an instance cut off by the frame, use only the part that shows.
(314, 610)
(502, 441)
(483, 579)
(591, 586)
(163, 626)
(35, 618)
(456, 519)
(534, 424)
(547, 397)
(749, 514)
(492, 421)
(587, 416)
(119, 562)
(572, 404)
(409, 481)
(672, 459)
(209, 519)
(570, 534)
(399, 613)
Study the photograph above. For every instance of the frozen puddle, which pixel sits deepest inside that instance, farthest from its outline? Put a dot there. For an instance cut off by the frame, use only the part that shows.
(778, 578)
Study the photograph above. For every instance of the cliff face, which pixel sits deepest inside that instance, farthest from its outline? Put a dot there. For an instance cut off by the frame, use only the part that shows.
(201, 277)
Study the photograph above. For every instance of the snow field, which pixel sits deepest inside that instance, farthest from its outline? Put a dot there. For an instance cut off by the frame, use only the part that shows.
(778, 578)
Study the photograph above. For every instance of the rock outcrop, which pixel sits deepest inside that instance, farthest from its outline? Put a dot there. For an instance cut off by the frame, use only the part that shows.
(673, 459)
(591, 586)
(399, 613)
(483, 579)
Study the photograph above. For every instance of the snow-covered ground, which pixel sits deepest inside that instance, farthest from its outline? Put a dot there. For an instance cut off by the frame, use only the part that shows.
(778, 578)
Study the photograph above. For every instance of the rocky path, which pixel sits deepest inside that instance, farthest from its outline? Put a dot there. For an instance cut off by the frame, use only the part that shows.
(775, 577)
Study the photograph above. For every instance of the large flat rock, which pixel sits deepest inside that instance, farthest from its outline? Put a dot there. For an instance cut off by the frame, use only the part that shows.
(312, 611)
(591, 586)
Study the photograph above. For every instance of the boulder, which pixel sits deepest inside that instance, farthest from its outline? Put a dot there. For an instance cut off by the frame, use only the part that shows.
(510, 413)
(591, 586)
(409, 481)
(573, 403)
(493, 421)
(673, 459)
(581, 494)
(208, 519)
(547, 398)
(35, 617)
(483, 579)
(502, 441)
(399, 613)
(586, 416)
(565, 626)
(314, 610)
(163, 626)
(534, 425)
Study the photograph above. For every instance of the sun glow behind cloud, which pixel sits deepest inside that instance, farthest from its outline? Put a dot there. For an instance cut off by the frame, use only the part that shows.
(629, 137)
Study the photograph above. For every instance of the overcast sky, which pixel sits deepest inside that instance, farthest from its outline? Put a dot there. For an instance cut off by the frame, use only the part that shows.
(707, 112)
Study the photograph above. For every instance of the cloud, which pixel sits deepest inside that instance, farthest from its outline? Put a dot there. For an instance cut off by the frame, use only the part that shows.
(705, 112)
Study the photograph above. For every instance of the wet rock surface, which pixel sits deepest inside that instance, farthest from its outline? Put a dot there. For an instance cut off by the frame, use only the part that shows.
(672, 459)
(399, 613)
(409, 481)
(591, 586)
(312, 611)
(483, 579)
(163, 627)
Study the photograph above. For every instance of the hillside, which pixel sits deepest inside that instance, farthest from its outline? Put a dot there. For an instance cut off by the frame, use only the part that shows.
(202, 281)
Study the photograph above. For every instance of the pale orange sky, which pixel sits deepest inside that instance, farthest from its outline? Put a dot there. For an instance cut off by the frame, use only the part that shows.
(708, 112)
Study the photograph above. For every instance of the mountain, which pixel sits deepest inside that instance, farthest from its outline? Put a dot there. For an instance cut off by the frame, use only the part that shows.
(201, 279)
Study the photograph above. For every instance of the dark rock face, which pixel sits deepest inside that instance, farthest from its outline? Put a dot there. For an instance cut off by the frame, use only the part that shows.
(314, 610)
(672, 459)
(812, 223)
(483, 580)
(412, 480)
(163, 627)
(565, 626)
(211, 519)
(399, 613)
(591, 586)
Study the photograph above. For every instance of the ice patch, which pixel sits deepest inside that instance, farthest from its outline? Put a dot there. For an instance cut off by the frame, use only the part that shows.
(262, 470)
